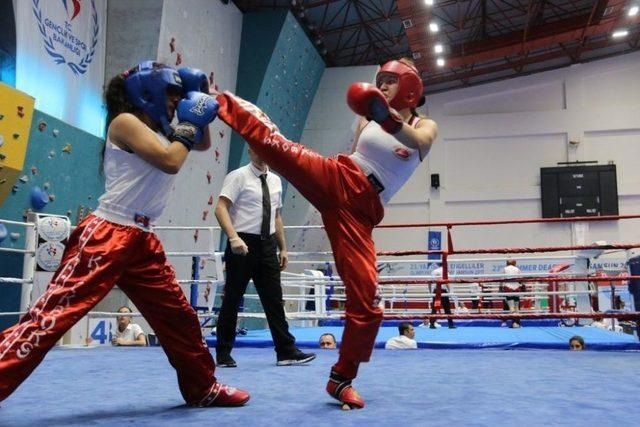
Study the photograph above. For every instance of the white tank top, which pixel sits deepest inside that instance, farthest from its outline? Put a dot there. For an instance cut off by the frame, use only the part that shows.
(381, 154)
(133, 186)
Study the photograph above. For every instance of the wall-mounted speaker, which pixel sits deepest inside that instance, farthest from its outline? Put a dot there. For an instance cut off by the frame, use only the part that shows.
(435, 180)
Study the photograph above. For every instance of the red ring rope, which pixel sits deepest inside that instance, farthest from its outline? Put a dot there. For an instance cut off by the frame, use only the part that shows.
(512, 221)
(507, 316)
(505, 279)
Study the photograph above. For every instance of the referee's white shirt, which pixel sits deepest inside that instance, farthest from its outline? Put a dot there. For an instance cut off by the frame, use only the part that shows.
(244, 189)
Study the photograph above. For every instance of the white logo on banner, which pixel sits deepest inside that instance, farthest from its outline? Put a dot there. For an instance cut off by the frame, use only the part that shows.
(49, 255)
(53, 229)
(62, 43)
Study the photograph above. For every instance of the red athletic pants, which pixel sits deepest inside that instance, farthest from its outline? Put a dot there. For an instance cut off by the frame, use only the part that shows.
(99, 255)
(350, 209)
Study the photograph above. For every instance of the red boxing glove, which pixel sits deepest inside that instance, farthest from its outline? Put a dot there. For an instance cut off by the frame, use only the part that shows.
(367, 100)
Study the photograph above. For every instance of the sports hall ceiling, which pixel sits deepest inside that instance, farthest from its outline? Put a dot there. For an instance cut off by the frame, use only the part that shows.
(481, 40)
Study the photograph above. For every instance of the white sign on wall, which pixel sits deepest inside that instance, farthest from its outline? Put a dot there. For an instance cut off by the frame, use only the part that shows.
(60, 58)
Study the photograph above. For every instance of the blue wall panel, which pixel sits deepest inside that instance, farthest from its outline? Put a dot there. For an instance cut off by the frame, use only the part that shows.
(279, 71)
(68, 162)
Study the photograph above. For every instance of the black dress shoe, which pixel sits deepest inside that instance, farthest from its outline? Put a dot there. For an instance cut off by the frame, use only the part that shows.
(226, 362)
(295, 358)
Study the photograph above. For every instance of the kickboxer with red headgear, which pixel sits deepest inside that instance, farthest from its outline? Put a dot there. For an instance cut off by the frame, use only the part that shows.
(350, 191)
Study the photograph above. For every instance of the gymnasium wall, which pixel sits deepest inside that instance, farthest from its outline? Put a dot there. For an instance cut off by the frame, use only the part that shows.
(495, 137)
(492, 141)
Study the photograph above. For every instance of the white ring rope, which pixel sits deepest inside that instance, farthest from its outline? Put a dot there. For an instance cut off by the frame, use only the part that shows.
(20, 224)
(15, 280)
(330, 289)
(19, 251)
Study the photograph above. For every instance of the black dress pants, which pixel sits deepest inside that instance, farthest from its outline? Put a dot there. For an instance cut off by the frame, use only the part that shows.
(260, 264)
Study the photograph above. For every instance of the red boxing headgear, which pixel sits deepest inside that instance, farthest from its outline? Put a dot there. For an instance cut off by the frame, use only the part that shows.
(409, 84)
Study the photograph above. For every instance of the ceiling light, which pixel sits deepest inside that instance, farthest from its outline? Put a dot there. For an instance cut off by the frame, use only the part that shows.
(622, 32)
(440, 62)
(429, 2)
(433, 27)
(633, 10)
(438, 48)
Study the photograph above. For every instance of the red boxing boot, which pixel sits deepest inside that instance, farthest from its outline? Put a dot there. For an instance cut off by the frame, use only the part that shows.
(224, 395)
(340, 388)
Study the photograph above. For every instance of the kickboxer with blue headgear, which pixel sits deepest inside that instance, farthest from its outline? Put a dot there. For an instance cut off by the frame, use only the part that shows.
(142, 155)
(147, 87)
(150, 86)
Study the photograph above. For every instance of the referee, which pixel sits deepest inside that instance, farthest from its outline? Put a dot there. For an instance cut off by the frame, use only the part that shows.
(248, 211)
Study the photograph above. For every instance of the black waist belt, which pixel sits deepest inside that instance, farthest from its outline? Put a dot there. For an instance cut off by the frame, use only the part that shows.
(376, 183)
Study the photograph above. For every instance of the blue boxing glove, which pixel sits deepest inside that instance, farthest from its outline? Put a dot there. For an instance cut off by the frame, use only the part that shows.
(193, 80)
(194, 113)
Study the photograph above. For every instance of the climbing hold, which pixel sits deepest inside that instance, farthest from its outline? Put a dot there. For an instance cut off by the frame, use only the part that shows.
(39, 198)
(67, 148)
(42, 126)
(55, 133)
(3, 232)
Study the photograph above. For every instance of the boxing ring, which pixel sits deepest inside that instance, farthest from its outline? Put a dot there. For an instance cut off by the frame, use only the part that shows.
(540, 382)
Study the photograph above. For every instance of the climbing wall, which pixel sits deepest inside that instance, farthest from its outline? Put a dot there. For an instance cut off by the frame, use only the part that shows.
(279, 71)
(16, 113)
(59, 175)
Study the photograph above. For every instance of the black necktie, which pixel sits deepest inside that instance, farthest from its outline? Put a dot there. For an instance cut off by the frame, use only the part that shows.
(266, 208)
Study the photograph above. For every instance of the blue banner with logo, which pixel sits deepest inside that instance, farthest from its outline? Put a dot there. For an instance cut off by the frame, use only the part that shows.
(434, 243)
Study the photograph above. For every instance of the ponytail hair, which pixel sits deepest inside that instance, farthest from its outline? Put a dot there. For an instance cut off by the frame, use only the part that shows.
(115, 96)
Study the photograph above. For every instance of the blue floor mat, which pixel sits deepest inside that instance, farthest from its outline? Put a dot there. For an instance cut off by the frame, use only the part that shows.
(137, 386)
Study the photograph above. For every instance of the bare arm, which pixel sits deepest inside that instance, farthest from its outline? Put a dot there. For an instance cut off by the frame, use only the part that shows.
(419, 138)
(223, 217)
(205, 143)
(140, 341)
(238, 246)
(129, 133)
(284, 256)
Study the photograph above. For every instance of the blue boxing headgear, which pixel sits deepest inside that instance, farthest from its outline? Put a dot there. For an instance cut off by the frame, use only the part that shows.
(146, 86)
